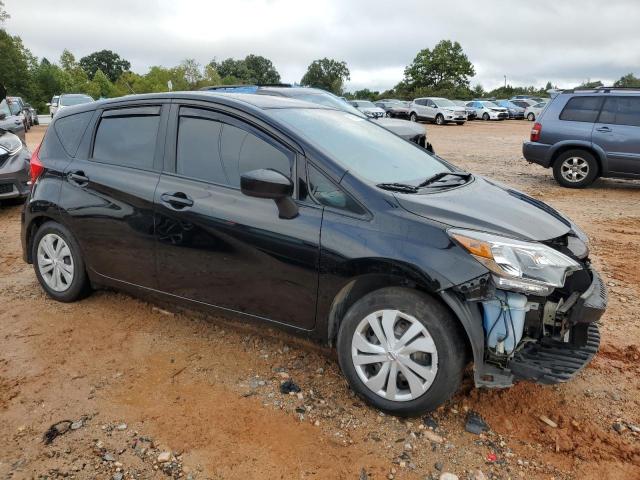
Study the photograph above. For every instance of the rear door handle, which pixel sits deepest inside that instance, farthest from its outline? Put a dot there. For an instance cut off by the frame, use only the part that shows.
(78, 178)
(604, 129)
(177, 200)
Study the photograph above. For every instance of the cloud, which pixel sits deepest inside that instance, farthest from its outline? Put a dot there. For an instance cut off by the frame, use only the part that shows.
(529, 42)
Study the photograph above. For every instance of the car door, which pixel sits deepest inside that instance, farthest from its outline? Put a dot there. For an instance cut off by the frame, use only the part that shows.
(431, 110)
(617, 131)
(108, 190)
(219, 247)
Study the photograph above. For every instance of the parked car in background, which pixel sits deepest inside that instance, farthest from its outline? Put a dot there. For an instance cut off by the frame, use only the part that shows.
(368, 108)
(532, 112)
(10, 121)
(34, 114)
(586, 134)
(53, 106)
(403, 128)
(515, 112)
(528, 97)
(471, 113)
(487, 110)
(394, 108)
(72, 99)
(14, 156)
(16, 104)
(286, 212)
(524, 103)
(437, 110)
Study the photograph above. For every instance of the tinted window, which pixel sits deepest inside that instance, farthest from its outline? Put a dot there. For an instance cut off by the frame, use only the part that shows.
(329, 194)
(242, 151)
(70, 130)
(127, 141)
(198, 154)
(581, 109)
(621, 111)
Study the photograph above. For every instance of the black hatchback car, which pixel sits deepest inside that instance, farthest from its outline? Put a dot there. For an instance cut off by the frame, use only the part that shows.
(318, 220)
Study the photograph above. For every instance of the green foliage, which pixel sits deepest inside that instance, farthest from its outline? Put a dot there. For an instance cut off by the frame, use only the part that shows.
(444, 68)
(111, 64)
(364, 94)
(15, 65)
(253, 69)
(628, 80)
(327, 74)
(3, 13)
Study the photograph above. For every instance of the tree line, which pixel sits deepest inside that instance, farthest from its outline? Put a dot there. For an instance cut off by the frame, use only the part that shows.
(445, 71)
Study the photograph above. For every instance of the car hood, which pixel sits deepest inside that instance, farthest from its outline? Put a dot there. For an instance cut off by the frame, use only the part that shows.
(489, 207)
(404, 128)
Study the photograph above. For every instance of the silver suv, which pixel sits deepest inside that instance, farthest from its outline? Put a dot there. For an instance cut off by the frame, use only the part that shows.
(438, 110)
(585, 134)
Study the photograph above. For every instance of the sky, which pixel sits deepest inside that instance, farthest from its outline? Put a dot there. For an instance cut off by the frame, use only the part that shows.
(531, 42)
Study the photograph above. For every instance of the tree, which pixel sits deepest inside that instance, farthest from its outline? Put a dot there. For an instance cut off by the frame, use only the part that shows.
(67, 60)
(444, 67)
(253, 69)
(628, 80)
(100, 86)
(111, 64)
(3, 13)
(16, 63)
(365, 94)
(327, 74)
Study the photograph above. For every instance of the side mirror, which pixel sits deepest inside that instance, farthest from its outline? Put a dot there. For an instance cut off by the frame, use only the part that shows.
(269, 183)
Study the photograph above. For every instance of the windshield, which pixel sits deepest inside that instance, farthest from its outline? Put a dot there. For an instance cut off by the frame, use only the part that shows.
(443, 102)
(69, 100)
(329, 100)
(360, 146)
(490, 105)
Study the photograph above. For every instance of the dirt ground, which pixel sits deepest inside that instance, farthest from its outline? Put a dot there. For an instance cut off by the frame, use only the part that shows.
(202, 393)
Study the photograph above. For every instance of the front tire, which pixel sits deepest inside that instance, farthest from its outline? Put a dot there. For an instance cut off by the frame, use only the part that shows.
(575, 169)
(486, 117)
(531, 116)
(58, 263)
(439, 119)
(413, 117)
(401, 351)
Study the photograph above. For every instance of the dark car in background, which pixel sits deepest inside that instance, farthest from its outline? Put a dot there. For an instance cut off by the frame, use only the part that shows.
(586, 134)
(315, 219)
(516, 112)
(394, 108)
(403, 128)
(33, 114)
(11, 119)
(18, 109)
(14, 156)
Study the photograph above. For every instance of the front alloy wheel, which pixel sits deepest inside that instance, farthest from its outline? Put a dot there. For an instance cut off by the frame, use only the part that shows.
(394, 355)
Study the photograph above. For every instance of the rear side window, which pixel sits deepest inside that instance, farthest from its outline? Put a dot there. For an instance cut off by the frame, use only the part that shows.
(621, 111)
(242, 151)
(126, 139)
(581, 109)
(70, 130)
(198, 154)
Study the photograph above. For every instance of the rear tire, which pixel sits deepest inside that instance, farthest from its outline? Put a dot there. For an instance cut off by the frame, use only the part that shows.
(432, 378)
(575, 168)
(413, 117)
(58, 263)
(531, 116)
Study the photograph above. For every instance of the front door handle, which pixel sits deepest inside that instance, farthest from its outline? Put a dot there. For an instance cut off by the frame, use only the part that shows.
(177, 200)
(79, 178)
(604, 129)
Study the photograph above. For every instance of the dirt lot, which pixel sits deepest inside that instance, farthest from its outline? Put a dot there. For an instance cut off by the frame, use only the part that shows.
(141, 382)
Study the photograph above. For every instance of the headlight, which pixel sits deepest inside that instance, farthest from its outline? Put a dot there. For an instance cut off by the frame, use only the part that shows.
(10, 143)
(528, 267)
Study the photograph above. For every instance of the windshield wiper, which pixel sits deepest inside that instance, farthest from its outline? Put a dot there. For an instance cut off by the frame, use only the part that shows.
(440, 175)
(398, 187)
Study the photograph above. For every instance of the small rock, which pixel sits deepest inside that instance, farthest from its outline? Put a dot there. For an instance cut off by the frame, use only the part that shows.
(432, 437)
(618, 427)
(429, 422)
(164, 457)
(408, 447)
(121, 427)
(317, 423)
(613, 395)
(633, 428)
(448, 476)
(117, 476)
(76, 425)
(548, 421)
(289, 387)
(478, 475)
(107, 457)
(164, 312)
(438, 466)
(475, 424)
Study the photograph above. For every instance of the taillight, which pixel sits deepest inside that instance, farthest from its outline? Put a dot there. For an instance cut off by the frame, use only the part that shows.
(36, 165)
(535, 132)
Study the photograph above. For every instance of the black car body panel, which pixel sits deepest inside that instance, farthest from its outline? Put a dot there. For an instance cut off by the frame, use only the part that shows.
(160, 230)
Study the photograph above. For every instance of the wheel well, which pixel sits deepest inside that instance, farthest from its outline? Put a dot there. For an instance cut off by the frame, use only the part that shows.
(566, 148)
(367, 283)
(33, 227)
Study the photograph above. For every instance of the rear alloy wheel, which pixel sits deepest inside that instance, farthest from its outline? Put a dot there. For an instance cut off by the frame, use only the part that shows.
(401, 351)
(486, 117)
(575, 169)
(531, 116)
(413, 117)
(439, 119)
(58, 264)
